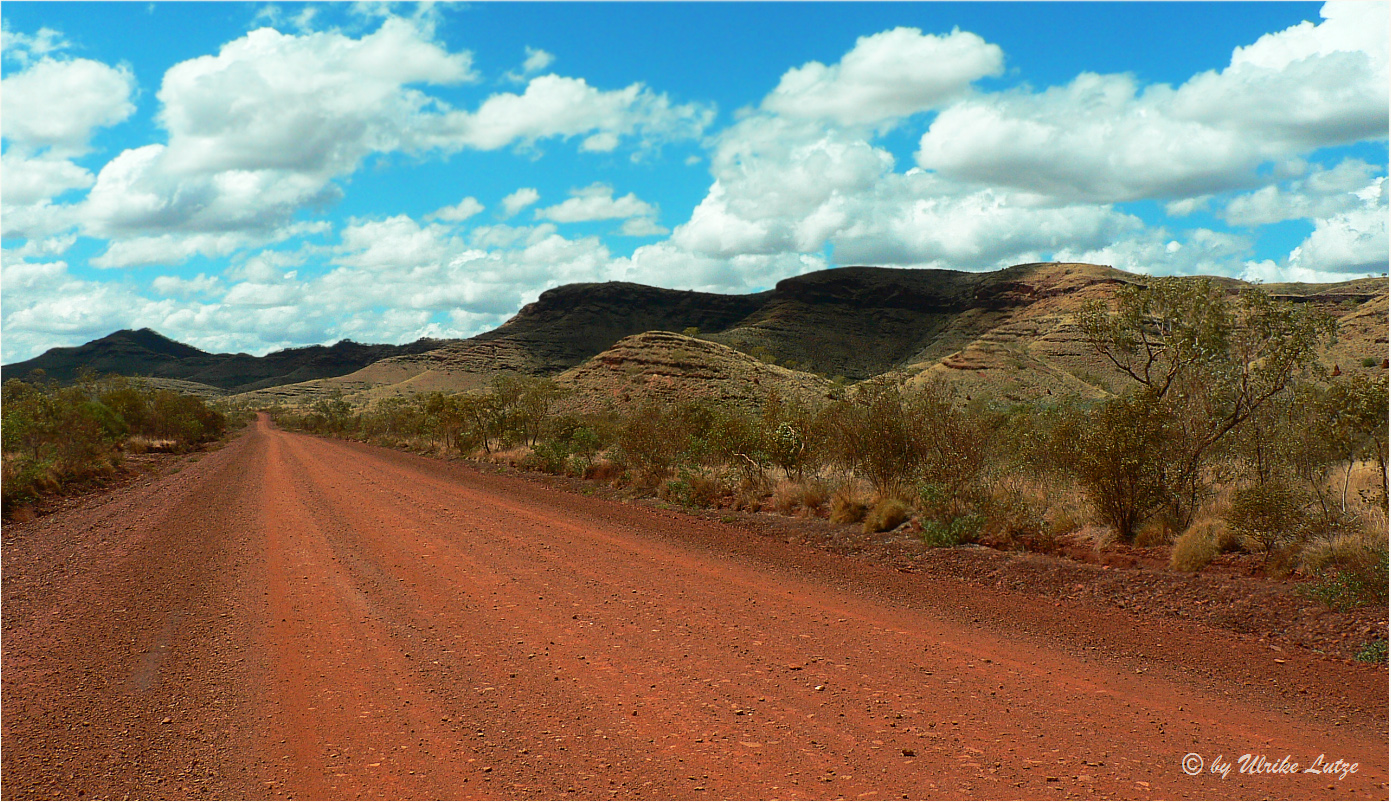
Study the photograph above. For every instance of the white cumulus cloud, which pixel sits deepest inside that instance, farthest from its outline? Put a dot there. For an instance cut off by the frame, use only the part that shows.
(1323, 193)
(536, 61)
(1352, 243)
(57, 104)
(890, 74)
(31, 181)
(557, 106)
(519, 200)
(24, 48)
(1104, 138)
(463, 210)
(259, 131)
(596, 202)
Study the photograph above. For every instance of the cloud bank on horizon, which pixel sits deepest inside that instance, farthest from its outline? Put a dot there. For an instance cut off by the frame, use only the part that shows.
(386, 174)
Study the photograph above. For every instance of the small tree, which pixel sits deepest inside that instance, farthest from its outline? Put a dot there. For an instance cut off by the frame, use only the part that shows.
(1354, 414)
(1268, 517)
(1204, 361)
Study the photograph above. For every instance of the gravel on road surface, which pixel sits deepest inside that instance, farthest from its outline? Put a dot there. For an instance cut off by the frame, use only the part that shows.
(297, 617)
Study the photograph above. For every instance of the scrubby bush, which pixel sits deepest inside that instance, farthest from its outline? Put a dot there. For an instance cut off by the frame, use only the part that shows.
(651, 439)
(1374, 652)
(1118, 453)
(946, 534)
(1348, 569)
(787, 497)
(1218, 413)
(1204, 364)
(706, 490)
(676, 491)
(809, 494)
(1346, 588)
(1267, 517)
(813, 494)
(54, 435)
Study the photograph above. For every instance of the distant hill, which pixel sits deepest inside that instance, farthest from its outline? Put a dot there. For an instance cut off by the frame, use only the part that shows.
(149, 353)
(667, 367)
(1009, 334)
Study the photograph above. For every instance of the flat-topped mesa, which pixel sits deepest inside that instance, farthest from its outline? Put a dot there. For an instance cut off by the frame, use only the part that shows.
(569, 324)
(625, 300)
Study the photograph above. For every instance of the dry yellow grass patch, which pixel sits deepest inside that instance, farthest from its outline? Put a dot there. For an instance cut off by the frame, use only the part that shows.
(885, 515)
(1198, 545)
(848, 506)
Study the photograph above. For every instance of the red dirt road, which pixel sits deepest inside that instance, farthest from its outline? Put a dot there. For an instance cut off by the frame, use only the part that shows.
(297, 617)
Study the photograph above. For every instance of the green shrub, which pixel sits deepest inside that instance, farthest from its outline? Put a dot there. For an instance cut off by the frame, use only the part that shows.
(1374, 652)
(1348, 586)
(651, 440)
(945, 534)
(57, 435)
(1267, 517)
(1119, 453)
(677, 491)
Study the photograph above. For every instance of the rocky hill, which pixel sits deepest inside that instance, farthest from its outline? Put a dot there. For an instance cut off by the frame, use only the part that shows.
(1009, 334)
(667, 367)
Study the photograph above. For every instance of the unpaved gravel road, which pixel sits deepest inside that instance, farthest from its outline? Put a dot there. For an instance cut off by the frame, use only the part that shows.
(290, 616)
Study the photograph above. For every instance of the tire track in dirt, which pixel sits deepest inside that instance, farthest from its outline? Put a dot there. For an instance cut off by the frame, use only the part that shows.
(517, 531)
(339, 621)
(122, 671)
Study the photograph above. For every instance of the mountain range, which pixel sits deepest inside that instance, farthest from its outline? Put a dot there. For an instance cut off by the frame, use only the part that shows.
(1009, 333)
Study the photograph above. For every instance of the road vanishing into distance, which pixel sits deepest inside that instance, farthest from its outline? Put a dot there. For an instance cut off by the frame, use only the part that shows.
(296, 617)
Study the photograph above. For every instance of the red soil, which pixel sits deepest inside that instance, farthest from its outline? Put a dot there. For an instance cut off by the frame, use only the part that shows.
(298, 617)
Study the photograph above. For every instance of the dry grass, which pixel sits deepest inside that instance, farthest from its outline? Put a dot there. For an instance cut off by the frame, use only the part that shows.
(706, 490)
(848, 506)
(888, 513)
(1096, 536)
(511, 457)
(808, 495)
(603, 470)
(1015, 510)
(1365, 479)
(1371, 519)
(787, 497)
(1198, 545)
(1154, 532)
(1344, 551)
(22, 514)
(146, 445)
(750, 491)
(815, 492)
(750, 497)
(1067, 505)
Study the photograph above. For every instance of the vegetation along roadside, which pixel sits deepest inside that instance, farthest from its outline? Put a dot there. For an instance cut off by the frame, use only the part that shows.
(1227, 446)
(61, 439)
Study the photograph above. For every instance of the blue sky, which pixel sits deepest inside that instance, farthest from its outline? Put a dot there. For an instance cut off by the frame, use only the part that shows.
(247, 176)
